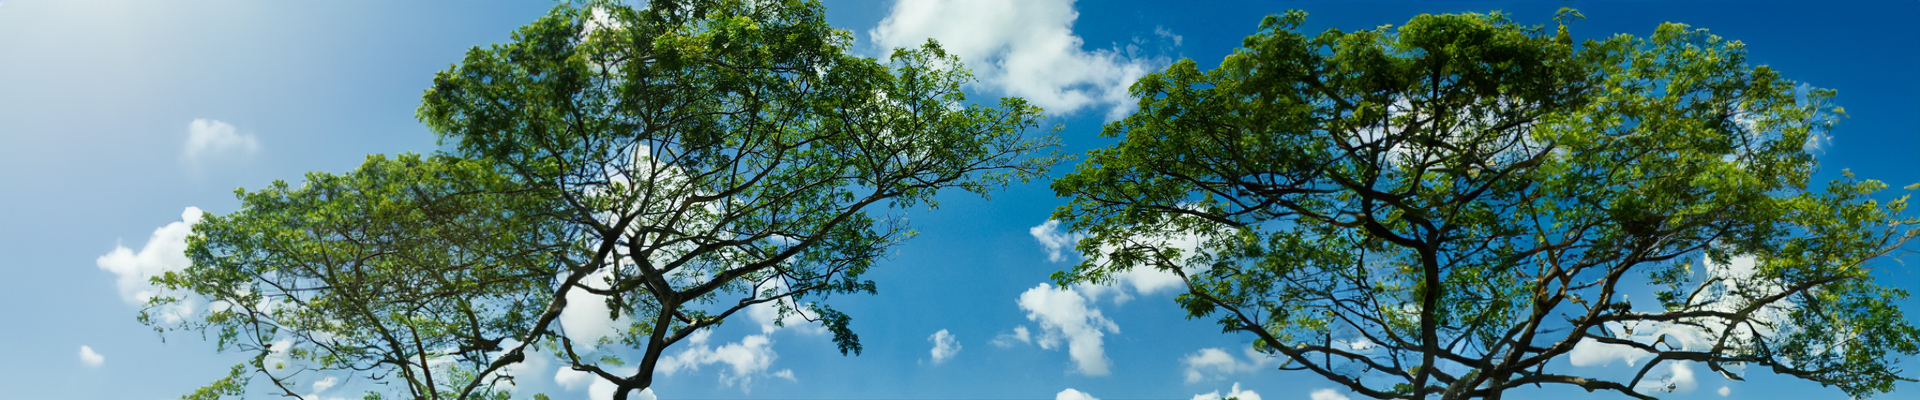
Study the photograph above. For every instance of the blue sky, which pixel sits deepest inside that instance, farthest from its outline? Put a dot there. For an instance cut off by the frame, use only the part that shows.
(117, 115)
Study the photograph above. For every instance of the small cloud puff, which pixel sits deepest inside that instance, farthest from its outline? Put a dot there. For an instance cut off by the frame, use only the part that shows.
(91, 358)
(207, 138)
(944, 346)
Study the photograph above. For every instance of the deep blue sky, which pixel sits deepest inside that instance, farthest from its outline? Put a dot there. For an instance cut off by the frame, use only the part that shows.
(98, 101)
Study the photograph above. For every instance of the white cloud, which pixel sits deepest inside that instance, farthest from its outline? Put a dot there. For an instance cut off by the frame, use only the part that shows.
(603, 390)
(91, 358)
(1020, 335)
(1679, 379)
(584, 320)
(277, 354)
(571, 379)
(768, 314)
(324, 384)
(1236, 393)
(1215, 363)
(598, 389)
(1065, 315)
(1071, 394)
(206, 137)
(944, 346)
(1326, 394)
(1587, 353)
(166, 250)
(746, 359)
(534, 365)
(1725, 391)
(1023, 48)
(1054, 240)
(1126, 284)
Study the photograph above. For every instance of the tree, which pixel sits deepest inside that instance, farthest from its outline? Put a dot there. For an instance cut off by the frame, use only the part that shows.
(1441, 209)
(679, 163)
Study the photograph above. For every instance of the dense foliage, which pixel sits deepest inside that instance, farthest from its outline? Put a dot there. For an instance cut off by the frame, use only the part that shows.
(679, 163)
(1440, 209)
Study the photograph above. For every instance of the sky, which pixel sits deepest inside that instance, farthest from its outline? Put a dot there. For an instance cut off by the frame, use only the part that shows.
(118, 119)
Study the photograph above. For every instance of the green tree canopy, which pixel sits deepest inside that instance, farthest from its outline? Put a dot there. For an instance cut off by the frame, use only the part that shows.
(1441, 209)
(681, 163)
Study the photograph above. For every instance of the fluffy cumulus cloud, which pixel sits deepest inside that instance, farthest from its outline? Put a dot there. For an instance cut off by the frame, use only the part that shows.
(1235, 393)
(91, 358)
(1071, 394)
(1587, 353)
(584, 321)
(523, 372)
(1726, 391)
(210, 138)
(1068, 318)
(1023, 48)
(165, 250)
(751, 357)
(571, 379)
(1214, 363)
(944, 346)
(1057, 242)
(1067, 315)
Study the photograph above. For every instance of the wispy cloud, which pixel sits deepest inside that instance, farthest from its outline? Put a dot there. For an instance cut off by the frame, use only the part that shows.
(1020, 334)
